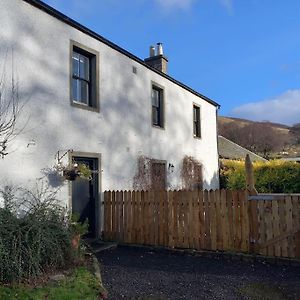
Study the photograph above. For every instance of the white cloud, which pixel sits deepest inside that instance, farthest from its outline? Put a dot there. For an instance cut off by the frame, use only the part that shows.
(173, 4)
(284, 108)
(228, 5)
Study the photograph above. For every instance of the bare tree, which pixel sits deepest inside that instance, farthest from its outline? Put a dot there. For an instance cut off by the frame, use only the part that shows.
(261, 137)
(10, 109)
(258, 137)
(230, 131)
(295, 133)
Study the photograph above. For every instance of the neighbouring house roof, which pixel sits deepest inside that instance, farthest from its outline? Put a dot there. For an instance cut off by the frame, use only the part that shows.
(296, 159)
(231, 150)
(60, 16)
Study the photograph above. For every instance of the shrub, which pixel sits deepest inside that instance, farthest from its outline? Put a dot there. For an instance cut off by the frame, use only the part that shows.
(34, 233)
(275, 176)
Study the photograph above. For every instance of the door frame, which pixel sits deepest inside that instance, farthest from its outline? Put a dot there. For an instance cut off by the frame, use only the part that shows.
(98, 206)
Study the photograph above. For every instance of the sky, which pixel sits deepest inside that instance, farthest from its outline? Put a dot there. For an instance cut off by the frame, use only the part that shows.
(243, 54)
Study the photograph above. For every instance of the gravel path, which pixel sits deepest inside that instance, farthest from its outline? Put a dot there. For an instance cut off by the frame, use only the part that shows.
(139, 273)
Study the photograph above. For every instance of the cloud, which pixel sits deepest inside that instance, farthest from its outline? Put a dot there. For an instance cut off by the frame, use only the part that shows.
(175, 4)
(284, 108)
(228, 5)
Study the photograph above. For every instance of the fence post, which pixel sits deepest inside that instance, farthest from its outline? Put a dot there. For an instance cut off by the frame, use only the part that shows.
(252, 207)
(253, 224)
(250, 182)
(297, 241)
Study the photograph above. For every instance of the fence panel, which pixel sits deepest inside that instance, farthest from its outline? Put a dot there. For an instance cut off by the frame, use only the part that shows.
(205, 220)
(278, 225)
(296, 223)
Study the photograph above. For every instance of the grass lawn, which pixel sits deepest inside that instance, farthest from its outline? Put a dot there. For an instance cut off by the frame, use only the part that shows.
(81, 284)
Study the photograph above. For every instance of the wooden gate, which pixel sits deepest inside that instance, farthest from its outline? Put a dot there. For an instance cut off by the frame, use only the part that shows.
(276, 229)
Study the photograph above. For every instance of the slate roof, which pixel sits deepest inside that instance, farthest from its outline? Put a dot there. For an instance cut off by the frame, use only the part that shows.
(231, 150)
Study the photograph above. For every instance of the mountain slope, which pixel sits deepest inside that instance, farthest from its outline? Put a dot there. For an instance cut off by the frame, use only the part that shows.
(260, 137)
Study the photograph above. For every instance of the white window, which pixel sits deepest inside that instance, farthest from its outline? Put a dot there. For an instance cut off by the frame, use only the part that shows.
(80, 78)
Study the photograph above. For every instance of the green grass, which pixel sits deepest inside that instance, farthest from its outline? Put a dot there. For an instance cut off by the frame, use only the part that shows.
(81, 285)
(263, 291)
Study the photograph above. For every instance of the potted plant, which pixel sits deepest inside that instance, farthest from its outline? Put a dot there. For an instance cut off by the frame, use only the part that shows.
(84, 171)
(77, 229)
(75, 170)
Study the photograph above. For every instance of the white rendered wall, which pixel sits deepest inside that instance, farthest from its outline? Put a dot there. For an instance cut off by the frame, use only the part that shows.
(121, 132)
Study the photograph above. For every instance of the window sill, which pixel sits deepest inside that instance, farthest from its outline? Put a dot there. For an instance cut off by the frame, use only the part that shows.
(158, 127)
(79, 103)
(197, 137)
(85, 106)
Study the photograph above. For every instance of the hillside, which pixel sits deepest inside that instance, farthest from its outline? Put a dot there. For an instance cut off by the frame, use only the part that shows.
(266, 138)
(242, 122)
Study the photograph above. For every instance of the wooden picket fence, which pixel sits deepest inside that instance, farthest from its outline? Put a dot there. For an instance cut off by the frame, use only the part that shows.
(220, 220)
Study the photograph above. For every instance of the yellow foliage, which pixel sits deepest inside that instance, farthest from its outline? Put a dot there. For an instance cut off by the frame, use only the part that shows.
(274, 176)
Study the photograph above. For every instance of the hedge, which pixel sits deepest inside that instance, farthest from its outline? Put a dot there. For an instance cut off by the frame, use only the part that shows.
(275, 176)
(34, 234)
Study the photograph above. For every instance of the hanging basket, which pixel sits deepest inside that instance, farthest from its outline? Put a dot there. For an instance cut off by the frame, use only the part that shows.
(70, 175)
(75, 170)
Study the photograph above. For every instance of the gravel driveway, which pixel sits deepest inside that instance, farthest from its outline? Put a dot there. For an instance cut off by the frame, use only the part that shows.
(139, 273)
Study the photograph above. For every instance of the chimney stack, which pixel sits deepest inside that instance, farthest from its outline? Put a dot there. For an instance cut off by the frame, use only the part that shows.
(157, 59)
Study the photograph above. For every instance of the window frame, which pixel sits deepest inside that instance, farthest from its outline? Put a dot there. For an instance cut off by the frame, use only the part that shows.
(93, 56)
(199, 136)
(161, 90)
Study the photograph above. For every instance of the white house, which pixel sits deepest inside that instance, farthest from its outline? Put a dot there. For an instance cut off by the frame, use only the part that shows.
(89, 100)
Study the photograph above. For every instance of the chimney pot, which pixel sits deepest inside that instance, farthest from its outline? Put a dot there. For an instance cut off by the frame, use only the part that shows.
(152, 51)
(160, 49)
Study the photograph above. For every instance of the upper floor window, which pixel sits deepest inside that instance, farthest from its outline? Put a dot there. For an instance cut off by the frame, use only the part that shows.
(84, 77)
(81, 84)
(196, 121)
(157, 106)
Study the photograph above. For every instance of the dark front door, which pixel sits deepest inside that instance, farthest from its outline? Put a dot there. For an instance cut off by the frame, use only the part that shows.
(85, 195)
